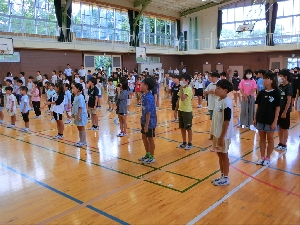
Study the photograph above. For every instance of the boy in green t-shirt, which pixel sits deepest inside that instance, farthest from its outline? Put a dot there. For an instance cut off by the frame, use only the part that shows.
(184, 108)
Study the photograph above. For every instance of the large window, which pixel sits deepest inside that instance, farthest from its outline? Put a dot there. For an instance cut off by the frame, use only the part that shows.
(286, 30)
(235, 16)
(28, 16)
(155, 30)
(293, 62)
(99, 22)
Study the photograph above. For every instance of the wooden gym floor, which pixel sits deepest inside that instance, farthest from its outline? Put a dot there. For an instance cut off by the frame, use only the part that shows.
(44, 181)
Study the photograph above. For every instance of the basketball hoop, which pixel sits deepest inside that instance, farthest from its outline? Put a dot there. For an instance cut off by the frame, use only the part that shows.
(2, 51)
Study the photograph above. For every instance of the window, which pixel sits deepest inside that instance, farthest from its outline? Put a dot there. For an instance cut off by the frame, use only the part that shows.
(99, 22)
(28, 16)
(10, 58)
(293, 62)
(158, 31)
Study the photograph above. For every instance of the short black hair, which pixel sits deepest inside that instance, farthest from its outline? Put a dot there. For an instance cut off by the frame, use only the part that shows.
(285, 73)
(36, 83)
(223, 74)
(124, 84)
(215, 74)
(8, 88)
(263, 72)
(16, 78)
(67, 85)
(54, 71)
(175, 77)
(82, 78)
(20, 81)
(23, 74)
(60, 88)
(24, 88)
(93, 80)
(46, 76)
(8, 80)
(79, 87)
(225, 84)
(110, 80)
(150, 83)
(186, 77)
(30, 77)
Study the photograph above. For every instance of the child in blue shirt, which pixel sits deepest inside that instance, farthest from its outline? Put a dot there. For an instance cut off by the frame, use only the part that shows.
(67, 103)
(24, 107)
(79, 113)
(148, 120)
(260, 80)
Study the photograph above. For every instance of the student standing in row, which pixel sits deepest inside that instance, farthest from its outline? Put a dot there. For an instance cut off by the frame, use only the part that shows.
(174, 95)
(148, 121)
(1, 105)
(284, 118)
(185, 113)
(92, 102)
(11, 108)
(268, 103)
(222, 129)
(247, 87)
(122, 107)
(111, 95)
(79, 113)
(36, 100)
(236, 91)
(24, 107)
(210, 90)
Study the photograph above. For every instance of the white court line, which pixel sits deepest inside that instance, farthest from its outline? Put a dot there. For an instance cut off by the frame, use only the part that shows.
(216, 204)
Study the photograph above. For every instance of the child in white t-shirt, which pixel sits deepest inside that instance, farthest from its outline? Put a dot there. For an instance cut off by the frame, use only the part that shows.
(99, 87)
(54, 77)
(210, 90)
(11, 106)
(111, 91)
(77, 78)
(222, 129)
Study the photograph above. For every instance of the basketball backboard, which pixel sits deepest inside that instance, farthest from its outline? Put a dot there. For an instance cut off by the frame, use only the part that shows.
(6, 46)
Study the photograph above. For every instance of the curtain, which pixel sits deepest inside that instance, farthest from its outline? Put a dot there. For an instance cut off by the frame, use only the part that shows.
(196, 33)
(130, 18)
(58, 12)
(273, 20)
(178, 29)
(69, 16)
(271, 15)
(219, 28)
(267, 14)
(190, 35)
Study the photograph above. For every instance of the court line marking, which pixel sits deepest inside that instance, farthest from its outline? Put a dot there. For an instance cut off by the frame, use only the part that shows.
(64, 194)
(229, 194)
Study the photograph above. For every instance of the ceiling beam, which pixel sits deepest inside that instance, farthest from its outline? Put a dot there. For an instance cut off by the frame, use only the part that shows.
(206, 6)
(137, 3)
(144, 6)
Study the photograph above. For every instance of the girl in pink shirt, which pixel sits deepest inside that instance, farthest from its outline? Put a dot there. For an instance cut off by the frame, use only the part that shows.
(247, 87)
(36, 100)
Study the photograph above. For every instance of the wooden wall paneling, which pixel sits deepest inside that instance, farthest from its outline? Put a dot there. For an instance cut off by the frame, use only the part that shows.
(220, 68)
(206, 67)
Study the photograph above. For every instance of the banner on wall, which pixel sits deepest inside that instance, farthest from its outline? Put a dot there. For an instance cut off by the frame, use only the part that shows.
(141, 56)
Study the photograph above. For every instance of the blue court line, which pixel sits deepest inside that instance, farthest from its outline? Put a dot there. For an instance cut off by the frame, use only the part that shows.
(65, 195)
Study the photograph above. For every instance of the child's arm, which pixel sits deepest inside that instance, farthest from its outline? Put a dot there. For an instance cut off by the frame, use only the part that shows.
(147, 122)
(274, 124)
(12, 105)
(287, 106)
(182, 96)
(296, 100)
(79, 113)
(227, 118)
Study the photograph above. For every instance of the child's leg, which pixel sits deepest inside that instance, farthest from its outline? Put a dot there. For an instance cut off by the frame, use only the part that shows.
(151, 145)
(199, 100)
(60, 127)
(82, 133)
(225, 163)
(1, 115)
(38, 106)
(239, 96)
(280, 135)
(190, 136)
(262, 143)
(183, 135)
(285, 135)
(220, 162)
(270, 148)
(121, 123)
(13, 119)
(146, 144)
(124, 118)
(235, 98)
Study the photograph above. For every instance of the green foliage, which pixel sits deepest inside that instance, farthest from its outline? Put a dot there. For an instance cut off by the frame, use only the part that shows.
(103, 61)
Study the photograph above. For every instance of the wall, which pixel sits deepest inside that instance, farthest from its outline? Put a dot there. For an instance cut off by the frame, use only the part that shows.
(48, 60)
(253, 61)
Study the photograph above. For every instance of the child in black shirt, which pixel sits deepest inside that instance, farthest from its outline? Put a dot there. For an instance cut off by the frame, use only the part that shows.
(268, 106)
(1, 105)
(174, 93)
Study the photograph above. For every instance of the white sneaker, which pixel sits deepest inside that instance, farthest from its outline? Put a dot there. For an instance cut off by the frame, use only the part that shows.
(149, 160)
(11, 126)
(37, 117)
(58, 137)
(217, 179)
(25, 130)
(222, 182)
(260, 162)
(266, 162)
(199, 106)
(181, 146)
(1, 121)
(68, 121)
(282, 148)
(143, 158)
(188, 147)
(52, 119)
(80, 144)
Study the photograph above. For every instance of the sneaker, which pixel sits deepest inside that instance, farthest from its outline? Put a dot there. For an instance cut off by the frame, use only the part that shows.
(108, 110)
(121, 134)
(149, 160)
(52, 119)
(278, 147)
(175, 120)
(68, 121)
(143, 158)
(1, 121)
(25, 130)
(111, 110)
(80, 144)
(92, 128)
(260, 162)
(181, 145)
(18, 106)
(217, 179)
(208, 113)
(282, 148)
(199, 106)
(89, 118)
(11, 126)
(188, 147)
(58, 137)
(37, 117)
(222, 182)
(266, 162)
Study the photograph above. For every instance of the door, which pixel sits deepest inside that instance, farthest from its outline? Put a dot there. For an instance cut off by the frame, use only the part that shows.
(206, 67)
